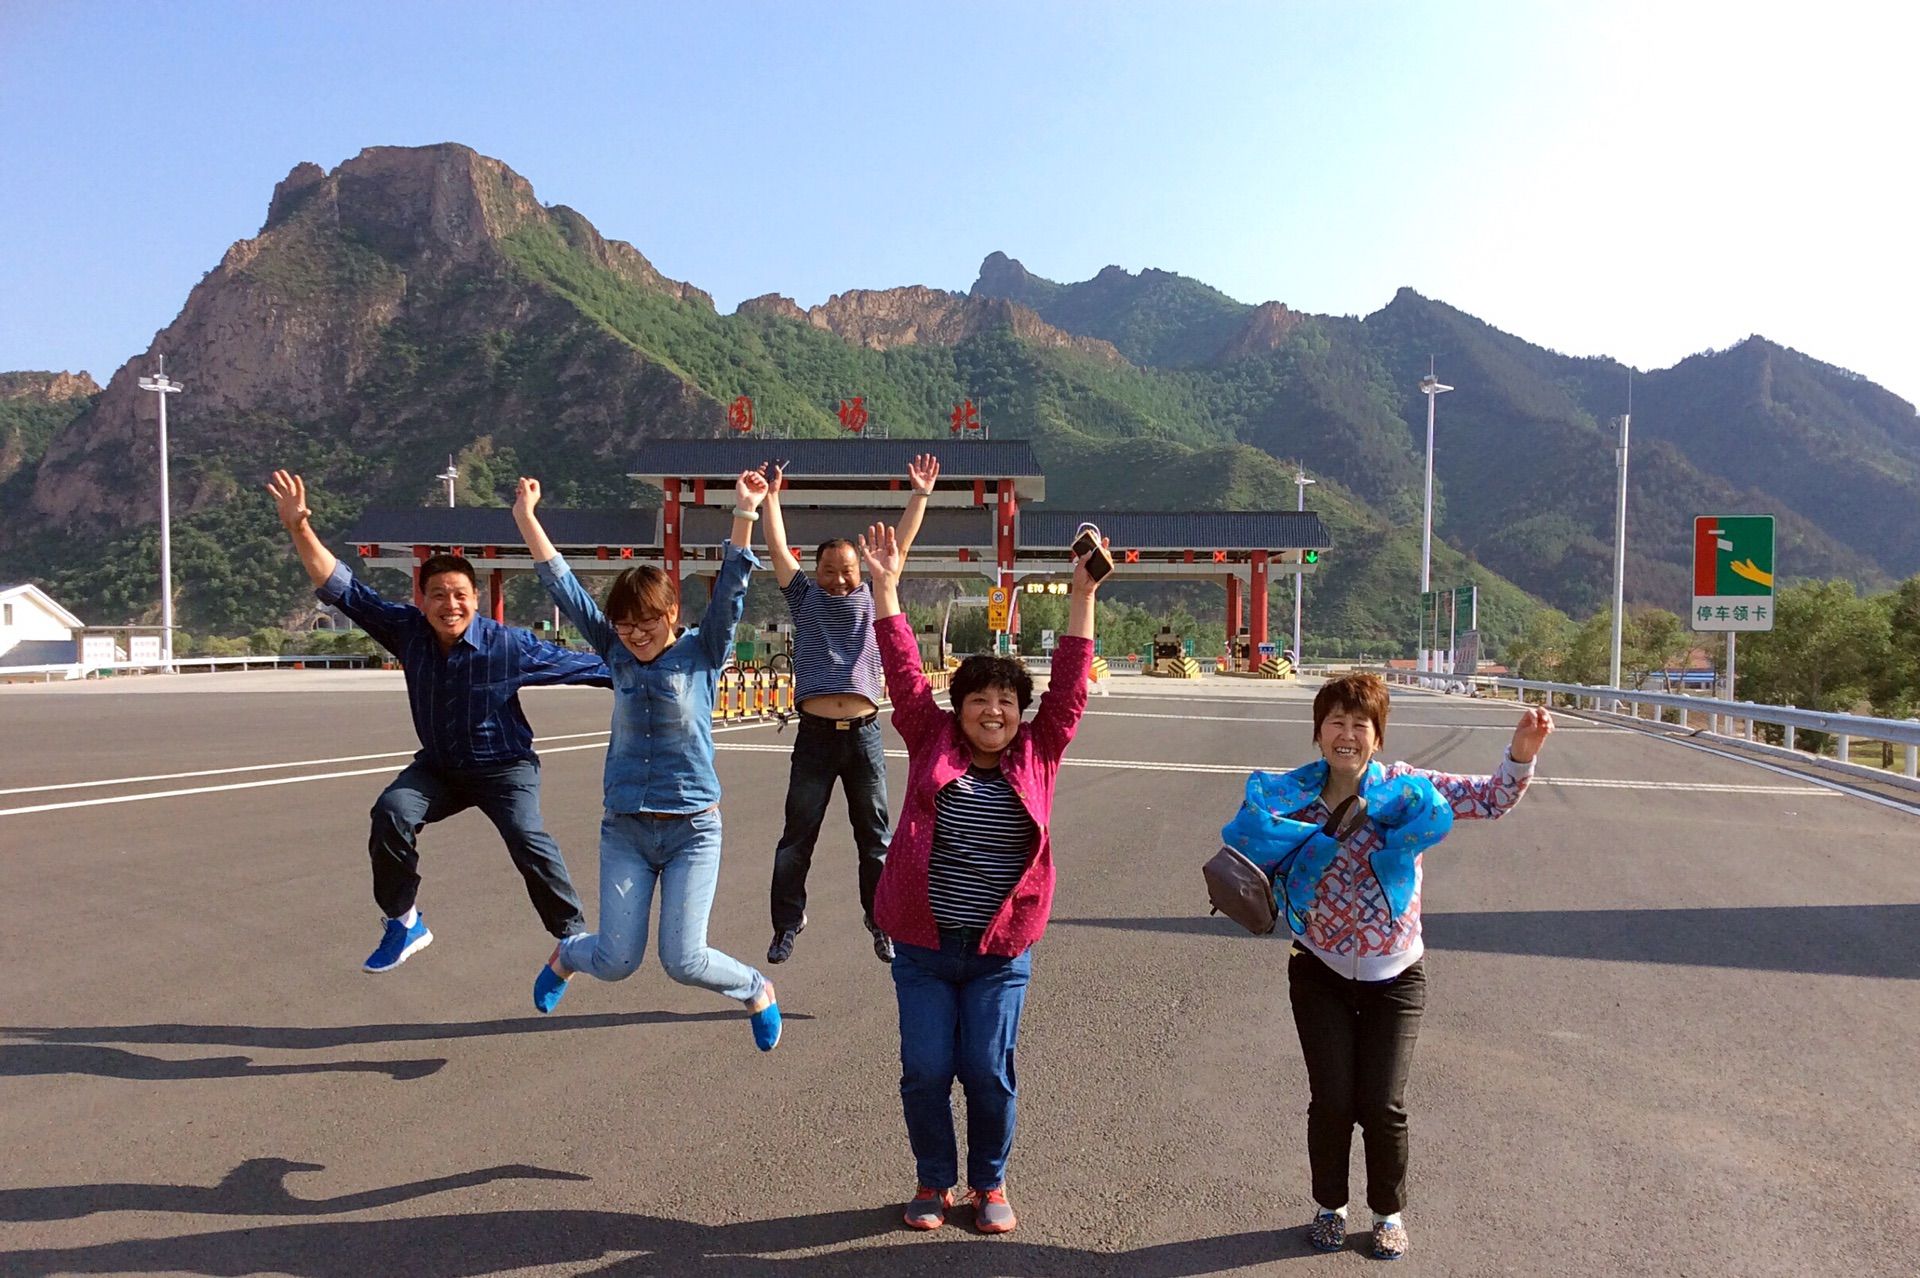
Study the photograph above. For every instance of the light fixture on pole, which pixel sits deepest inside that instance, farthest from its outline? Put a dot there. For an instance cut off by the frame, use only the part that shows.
(1300, 482)
(448, 476)
(1432, 388)
(161, 387)
(1620, 545)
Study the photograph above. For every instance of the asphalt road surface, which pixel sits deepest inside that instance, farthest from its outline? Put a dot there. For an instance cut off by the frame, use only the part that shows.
(1671, 1026)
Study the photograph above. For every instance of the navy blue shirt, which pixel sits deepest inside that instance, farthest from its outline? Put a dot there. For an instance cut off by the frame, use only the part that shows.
(661, 755)
(466, 700)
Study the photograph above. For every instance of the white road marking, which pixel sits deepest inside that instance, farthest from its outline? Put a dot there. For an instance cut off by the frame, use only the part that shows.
(256, 767)
(1242, 769)
(1307, 721)
(317, 776)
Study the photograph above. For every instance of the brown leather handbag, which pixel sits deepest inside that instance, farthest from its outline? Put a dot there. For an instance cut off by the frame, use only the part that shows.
(1243, 891)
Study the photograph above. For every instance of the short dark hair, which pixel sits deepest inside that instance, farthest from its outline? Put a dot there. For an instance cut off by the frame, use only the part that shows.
(983, 671)
(834, 544)
(641, 594)
(438, 564)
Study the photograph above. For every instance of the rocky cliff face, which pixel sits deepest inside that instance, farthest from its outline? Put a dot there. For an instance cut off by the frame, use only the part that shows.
(50, 388)
(919, 316)
(1267, 329)
(349, 314)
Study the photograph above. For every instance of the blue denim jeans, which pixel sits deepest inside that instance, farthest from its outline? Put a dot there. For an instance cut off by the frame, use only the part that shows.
(822, 755)
(680, 856)
(509, 793)
(959, 1018)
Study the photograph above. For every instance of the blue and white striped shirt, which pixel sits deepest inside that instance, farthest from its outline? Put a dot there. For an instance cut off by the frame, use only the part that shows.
(833, 645)
(982, 841)
(465, 700)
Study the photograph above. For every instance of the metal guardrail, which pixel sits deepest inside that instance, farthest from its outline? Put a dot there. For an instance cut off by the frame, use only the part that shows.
(1724, 718)
(88, 669)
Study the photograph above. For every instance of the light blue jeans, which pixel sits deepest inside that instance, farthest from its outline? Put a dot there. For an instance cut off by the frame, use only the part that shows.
(681, 855)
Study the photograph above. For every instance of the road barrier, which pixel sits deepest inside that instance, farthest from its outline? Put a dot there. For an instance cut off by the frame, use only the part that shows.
(186, 665)
(1726, 720)
(1176, 668)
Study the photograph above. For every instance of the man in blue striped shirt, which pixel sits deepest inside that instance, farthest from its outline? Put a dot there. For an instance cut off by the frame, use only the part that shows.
(837, 689)
(464, 675)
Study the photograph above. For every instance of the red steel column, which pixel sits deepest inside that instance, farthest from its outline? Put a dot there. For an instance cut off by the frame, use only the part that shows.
(1257, 605)
(497, 594)
(670, 533)
(1004, 548)
(1233, 616)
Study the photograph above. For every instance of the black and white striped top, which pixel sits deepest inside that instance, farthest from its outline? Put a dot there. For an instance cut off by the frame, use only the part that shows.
(982, 839)
(833, 645)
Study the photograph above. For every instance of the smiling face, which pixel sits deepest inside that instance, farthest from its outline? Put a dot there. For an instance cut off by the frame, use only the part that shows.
(989, 717)
(837, 571)
(646, 637)
(451, 603)
(1347, 742)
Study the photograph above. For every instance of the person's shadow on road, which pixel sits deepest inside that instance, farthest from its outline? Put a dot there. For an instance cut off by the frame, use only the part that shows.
(844, 1244)
(256, 1187)
(19, 1060)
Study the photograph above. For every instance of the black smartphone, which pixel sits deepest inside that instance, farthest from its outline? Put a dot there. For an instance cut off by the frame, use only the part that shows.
(1087, 545)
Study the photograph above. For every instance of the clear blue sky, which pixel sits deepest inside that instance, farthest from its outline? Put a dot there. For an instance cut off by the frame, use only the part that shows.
(1639, 181)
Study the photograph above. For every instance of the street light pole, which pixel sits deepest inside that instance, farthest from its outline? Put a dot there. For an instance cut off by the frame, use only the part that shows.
(1619, 553)
(161, 387)
(448, 476)
(1300, 482)
(1431, 387)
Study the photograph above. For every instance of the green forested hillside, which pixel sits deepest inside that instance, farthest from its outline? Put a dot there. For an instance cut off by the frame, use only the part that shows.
(428, 305)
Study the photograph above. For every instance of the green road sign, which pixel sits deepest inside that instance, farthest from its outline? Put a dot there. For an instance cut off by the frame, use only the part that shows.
(1732, 572)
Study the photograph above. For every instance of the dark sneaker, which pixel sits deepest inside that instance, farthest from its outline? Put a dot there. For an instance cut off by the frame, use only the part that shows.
(399, 943)
(1389, 1240)
(992, 1213)
(782, 948)
(928, 1210)
(882, 944)
(1328, 1232)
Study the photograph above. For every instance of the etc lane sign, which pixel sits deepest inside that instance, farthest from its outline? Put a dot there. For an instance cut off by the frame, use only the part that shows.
(1732, 572)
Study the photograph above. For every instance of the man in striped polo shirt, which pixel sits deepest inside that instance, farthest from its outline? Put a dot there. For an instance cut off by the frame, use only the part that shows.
(837, 688)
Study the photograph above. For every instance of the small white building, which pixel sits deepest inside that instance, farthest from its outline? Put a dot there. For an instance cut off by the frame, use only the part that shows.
(34, 630)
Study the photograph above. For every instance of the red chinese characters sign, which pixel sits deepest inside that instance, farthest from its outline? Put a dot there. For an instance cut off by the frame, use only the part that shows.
(853, 413)
(965, 416)
(740, 414)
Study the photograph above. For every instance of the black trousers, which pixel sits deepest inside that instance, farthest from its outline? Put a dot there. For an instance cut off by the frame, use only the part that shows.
(509, 793)
(1358, 1039)
(825, 756)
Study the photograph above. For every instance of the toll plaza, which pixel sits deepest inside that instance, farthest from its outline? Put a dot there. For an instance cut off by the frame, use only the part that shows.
(987, 518)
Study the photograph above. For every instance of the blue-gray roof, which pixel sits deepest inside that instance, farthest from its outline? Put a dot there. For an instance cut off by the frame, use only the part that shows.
(494, 526)
(808, 526)
(880, 458)
(1180, 530)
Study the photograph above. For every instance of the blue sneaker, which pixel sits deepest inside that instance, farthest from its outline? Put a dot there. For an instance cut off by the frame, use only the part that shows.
(549, 989)
(766, 1026)
(399, 943)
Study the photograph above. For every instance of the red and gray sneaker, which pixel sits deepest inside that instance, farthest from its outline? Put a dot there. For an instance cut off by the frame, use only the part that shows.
(992, 1213)
(928, 1210)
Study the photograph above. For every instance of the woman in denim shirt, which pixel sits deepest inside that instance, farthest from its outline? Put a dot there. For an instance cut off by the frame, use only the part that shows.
(662, 820)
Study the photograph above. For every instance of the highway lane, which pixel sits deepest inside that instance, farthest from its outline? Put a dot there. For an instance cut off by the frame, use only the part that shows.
(1670, 1028)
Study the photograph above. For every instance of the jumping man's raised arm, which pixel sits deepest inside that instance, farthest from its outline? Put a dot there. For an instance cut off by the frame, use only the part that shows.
(785, 566)
(290, 499)
(924, 470)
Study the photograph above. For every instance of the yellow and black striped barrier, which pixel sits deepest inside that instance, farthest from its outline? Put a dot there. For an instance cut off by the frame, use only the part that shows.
(1275, 668)
(1182, 667)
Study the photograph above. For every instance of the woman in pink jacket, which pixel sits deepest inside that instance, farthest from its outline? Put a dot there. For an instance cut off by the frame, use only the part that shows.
(968, 884)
